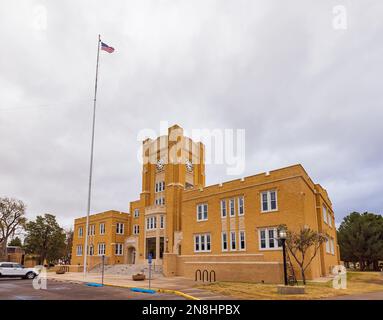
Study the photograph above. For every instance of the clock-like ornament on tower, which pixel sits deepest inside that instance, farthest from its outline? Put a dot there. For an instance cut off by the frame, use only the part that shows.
(189, 166)
(160, 164)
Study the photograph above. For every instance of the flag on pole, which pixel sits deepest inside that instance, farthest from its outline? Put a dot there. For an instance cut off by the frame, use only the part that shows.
(106, 48)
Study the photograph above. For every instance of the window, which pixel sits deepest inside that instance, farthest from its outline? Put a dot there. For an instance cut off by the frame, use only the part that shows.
(202, 212)
(79, 250)
(162, 222)
(233, 244)
(136, 229)
(119, 228)
(269, 201)
(90, 250)
(329, 220)
(327, 245)
(119, 250)
(241, 206)
(332, 246)
(92, 230)
(151, 223)
(324, 210)
(80, 232)
(223, 208)
(224, 241)
(102, 228)
(232, 207)
(268, 239)
(242, 240)
(160, 186)
(101, 249)
(136, 213)
(202, 242)
(160, 201)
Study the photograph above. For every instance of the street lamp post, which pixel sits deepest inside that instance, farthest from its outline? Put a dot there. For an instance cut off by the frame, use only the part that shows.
(282, 236)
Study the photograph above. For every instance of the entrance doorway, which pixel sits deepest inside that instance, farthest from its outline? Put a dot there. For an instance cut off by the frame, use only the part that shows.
(131, 255)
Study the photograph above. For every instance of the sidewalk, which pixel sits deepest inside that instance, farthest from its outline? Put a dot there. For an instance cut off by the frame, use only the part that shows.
(178, 285)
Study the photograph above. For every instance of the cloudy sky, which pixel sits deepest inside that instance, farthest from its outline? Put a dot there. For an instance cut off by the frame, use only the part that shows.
(305, 90)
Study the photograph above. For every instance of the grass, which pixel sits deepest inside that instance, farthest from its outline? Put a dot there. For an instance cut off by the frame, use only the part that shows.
(357, 282)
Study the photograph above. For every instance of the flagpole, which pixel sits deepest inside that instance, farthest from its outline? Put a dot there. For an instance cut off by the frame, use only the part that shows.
(85, 251)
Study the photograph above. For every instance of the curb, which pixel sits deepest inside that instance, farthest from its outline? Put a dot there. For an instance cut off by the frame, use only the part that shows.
(159, 290)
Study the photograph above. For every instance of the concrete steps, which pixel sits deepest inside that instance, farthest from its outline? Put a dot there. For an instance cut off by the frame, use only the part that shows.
(127, 269)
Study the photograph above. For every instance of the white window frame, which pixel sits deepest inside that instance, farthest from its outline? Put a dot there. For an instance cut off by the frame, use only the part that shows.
(151, 223)
(329, 219)
(136, 213)
(224, 233)
(268, 199)
(241, 206)
(324, 213)
(102, 228)
(162, 222)
(223, 208)
(136, 229)
(89, 251)
(92, 230)
(80, 232)
(327, 245)
(203, 212)
(119, 249)
(101, 248)
(267, 239)
(332, 249)
(242, 232)
(120, 228)
(233, 242)
(232, 207)
(79, 250)
(203, 239)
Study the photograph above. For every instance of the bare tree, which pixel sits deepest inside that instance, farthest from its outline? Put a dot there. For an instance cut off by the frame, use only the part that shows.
(12, 218)
(299, 244)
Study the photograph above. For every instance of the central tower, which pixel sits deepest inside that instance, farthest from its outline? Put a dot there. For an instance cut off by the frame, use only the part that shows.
(171, 164)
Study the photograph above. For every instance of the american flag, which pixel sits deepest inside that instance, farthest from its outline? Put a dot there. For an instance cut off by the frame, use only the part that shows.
(106, 48)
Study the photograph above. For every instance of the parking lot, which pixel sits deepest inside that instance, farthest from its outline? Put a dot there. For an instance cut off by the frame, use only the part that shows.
(19, 289)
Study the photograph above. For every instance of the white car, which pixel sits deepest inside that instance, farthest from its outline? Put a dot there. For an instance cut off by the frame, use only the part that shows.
(11, 269)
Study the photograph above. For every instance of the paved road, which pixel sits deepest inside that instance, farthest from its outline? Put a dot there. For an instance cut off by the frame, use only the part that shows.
(19, 289)
(363, 296)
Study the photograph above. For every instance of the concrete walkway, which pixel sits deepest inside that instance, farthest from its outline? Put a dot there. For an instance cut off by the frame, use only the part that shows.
(179, 285)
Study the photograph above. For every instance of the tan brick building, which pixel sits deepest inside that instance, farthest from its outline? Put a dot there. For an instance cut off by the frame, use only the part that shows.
(229, 228)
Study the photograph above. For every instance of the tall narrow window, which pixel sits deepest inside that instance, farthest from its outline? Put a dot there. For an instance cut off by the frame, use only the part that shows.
(102, 228)
(232, 208)
(242, 240)
(263, 239)
(136, 213)
(241, 206)
(224, 241)
(79, 250)
(324, 209)
(233, 244)
(223, 208)
(80, 232)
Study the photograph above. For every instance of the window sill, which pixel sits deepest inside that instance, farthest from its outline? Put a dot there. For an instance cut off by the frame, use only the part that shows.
(270, 211)
(202, 220)
(270, 249)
